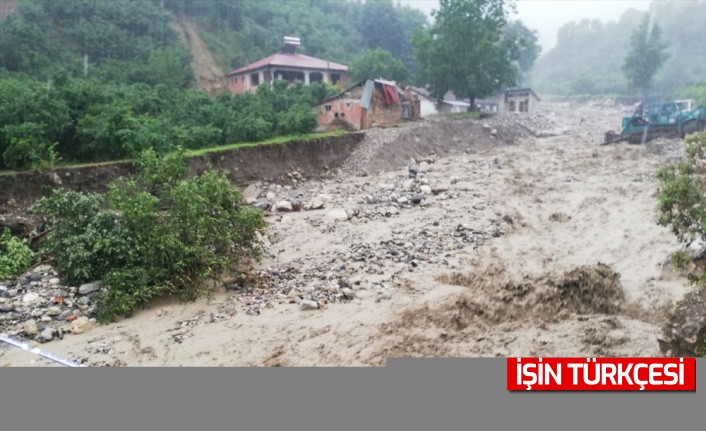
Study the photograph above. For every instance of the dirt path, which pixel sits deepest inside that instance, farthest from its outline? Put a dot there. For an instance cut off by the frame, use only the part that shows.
(547, 247)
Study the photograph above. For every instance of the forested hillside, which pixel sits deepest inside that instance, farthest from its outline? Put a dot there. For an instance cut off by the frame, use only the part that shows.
(589, 54)
(93, 80)
(132, 40)
(244, 31)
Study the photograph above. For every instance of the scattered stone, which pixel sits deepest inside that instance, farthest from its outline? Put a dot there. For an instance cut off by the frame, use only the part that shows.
(382, 296)
(46, 335)
(284, 206)
(30, 298)
(252, 192)
(81, 325)
(30, 328)
(53, 311)
(685, 333)
(88, 288)
(309, 305)
(271, 196)
(319, 202)
(425, 189)
(55, 179)
(263, 205)
(697, 249)
(338, 214)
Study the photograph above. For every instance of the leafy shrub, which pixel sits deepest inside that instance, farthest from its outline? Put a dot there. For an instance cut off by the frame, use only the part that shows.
(682, 205)
(682, 195)
(15, 255)
(158, 233)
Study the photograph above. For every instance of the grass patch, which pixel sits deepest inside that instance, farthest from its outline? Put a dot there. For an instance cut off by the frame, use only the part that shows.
(680, 260)
(201, 152)
(279, 140)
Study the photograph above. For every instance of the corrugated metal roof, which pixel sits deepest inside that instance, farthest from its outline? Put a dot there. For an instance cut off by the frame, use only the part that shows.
(367, 96)
(421, 91)
(456, 103)
(284, 59)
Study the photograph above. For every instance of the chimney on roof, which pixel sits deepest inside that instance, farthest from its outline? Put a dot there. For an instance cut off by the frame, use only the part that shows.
(291, 44)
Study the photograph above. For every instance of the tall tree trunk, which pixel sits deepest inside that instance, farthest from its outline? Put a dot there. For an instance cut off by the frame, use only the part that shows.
(472, 101)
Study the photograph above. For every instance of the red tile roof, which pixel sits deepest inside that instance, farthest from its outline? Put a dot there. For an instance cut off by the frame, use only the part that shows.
(291, 60)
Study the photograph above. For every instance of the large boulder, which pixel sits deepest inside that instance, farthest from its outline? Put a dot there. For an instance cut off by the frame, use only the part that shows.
(685, 333)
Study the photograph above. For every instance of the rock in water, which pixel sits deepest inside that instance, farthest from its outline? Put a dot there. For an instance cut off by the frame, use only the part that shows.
(309, 305)
(319, 202)
(685, 333)
(338, 214)
(284, 206)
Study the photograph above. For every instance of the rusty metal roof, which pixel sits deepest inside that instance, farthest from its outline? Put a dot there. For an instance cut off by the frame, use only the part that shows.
(297, 61)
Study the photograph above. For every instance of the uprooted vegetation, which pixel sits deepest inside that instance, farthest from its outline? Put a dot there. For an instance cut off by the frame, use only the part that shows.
(158, 233)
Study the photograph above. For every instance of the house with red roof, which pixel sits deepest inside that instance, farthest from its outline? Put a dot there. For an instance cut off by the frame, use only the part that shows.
(287, 65)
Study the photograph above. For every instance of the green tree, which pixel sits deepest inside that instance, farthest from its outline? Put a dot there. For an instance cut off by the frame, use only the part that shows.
(647, 55)
(465, 50)
(377, 63)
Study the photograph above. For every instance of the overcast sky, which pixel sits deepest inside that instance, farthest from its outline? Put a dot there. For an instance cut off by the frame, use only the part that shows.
(547, 16)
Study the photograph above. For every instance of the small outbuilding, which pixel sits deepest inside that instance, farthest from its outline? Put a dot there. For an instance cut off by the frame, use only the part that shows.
(519, 100)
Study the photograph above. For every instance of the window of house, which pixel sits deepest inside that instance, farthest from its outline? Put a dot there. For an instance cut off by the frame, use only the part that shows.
(335, 77)
(255, 79)
(336, 115)
(343, 114)
(316, 77)
(327, 107)
(349, 105)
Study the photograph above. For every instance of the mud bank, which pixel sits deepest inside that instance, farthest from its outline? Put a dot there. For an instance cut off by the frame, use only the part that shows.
(313, 158)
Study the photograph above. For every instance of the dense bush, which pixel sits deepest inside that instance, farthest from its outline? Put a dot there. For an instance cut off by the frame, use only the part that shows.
(15, 255)
(159, 233)
(682, 205)
(85, 120)
(682, 191)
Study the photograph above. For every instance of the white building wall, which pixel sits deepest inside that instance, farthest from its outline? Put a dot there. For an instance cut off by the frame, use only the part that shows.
(427, 107)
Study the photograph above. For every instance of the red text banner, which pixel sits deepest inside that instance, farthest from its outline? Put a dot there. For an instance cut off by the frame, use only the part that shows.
(601, 374)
